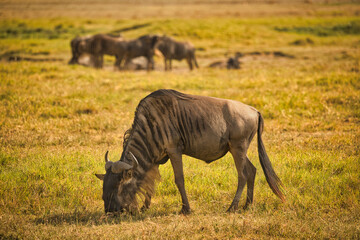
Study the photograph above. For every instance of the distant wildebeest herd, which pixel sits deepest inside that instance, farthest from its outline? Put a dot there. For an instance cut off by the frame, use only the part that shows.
(125, 51)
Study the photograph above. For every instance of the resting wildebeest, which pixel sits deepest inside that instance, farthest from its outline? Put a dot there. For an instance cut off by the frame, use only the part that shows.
(230, 63)
(142, 46)
(168, 124)
(233, 62)
(172, 49)
(97, 46)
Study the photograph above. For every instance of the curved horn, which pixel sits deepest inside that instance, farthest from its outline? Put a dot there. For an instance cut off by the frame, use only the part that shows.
(118, 166)
(135, 161)
(106, 156)
(108, 163)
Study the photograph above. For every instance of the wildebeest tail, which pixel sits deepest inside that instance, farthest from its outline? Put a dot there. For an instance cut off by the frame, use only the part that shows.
(271, 177)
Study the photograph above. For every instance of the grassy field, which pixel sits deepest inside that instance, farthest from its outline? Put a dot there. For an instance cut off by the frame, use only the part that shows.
(301, 70)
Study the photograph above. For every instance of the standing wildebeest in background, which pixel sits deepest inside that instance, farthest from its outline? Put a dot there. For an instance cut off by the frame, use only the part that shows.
(102, 44)
(172, 49)
(168, 124)
(77, 49)
(99, 45)
(142, 46)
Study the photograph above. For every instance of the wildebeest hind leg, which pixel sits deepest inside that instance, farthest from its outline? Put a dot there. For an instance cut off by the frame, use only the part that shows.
(250, 172)
(239, 155)
(189, 63)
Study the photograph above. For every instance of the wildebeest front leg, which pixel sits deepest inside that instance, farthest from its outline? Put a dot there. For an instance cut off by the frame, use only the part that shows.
(99, 61)
(150, 63)
(167, 64)
(117, 63)
(239, 155)
(146, 202)
(177, 164)
(127, 62)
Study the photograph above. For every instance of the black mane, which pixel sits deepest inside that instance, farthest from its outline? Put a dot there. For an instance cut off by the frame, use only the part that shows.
(156, 94)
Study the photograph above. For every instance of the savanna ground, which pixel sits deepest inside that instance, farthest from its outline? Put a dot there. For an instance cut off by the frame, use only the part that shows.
(57, 121)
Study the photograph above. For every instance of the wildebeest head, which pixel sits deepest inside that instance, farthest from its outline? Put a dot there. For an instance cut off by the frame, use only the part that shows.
(119, 185)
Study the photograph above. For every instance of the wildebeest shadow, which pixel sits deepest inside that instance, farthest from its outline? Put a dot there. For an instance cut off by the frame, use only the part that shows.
(30, 59)
(14, 56)
(95, 218)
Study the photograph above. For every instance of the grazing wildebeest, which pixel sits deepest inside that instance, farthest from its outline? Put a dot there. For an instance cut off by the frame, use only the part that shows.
(142, 46)
(168, 124)
(99, 45)
(172, 49)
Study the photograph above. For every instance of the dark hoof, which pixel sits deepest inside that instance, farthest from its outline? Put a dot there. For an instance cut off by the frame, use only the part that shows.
(246, 206)
(185, 211)
(231, 209)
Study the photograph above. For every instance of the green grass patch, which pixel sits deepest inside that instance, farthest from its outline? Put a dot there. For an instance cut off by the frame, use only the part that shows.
(57, 121)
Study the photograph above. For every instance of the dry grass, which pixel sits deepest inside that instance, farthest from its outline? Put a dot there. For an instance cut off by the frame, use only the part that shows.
(57, 121)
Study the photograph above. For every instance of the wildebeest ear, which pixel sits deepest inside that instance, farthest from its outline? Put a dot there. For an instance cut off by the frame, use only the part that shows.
(100, 176)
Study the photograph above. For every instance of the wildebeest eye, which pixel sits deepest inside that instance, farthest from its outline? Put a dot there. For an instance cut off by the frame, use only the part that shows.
(129, 174)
